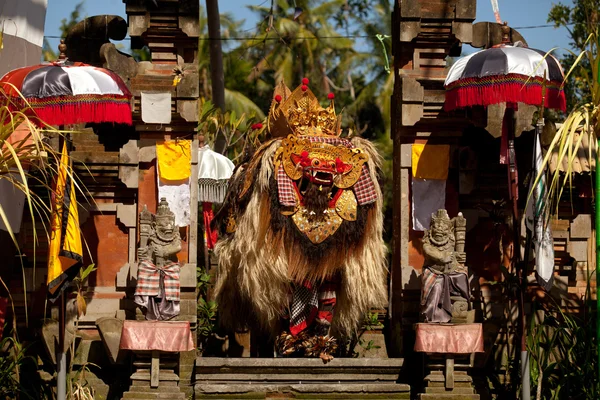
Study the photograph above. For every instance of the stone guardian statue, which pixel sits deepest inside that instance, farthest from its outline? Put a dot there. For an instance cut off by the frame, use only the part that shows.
(445, 291)
(158, 290)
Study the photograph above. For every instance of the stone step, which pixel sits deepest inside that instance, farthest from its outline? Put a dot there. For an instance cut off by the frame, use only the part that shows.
(293, 370)
(154, 396)
(304, 390)
(260, 378)
(442, 390)
(436, 396)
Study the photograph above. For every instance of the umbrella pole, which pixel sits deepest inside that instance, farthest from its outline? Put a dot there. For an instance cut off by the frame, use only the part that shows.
(61, 360)
(525, 369)
(521, 269)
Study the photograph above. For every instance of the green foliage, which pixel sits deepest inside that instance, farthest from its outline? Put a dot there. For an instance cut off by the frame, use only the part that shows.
(12, 357)
(235, 129)
(367, 346)
(80, 284)
(203, 282)
(563, 352)
(348, 345)
(207, 312)
(576, 18)
(371, 322)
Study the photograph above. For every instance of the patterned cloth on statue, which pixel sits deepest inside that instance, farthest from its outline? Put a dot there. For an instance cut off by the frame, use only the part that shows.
(157, 290)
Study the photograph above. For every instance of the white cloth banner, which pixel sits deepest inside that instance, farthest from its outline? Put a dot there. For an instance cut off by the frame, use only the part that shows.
(156, 108)
(536, 222)
(178, 196)
(428, 196)
(12, 201)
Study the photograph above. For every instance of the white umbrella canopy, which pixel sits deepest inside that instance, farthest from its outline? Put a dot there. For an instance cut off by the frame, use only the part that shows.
(214, 172)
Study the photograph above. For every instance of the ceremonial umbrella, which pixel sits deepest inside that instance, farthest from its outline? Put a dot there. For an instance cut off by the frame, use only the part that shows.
(66, 93)
(511, 74)
(514, 74)
(505, 74)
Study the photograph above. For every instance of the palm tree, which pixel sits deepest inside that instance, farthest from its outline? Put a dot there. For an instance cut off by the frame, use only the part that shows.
(292, 48)
(234, 99)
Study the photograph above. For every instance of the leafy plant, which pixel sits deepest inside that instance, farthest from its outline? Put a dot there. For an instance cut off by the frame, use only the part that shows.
(80, 285)
(12, 357)
(583, 119)
(371, 322)
(26, 158)
(207, 312)
(203, 282)
(235, 130)
(78, 386)
(348, 345)
(563, 348)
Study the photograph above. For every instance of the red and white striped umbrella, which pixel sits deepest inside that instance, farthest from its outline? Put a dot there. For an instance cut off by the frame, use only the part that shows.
(65, 93)
(505, 74)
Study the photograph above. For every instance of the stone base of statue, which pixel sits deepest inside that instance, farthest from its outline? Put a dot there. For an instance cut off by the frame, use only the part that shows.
(156, 347)
(449, 351)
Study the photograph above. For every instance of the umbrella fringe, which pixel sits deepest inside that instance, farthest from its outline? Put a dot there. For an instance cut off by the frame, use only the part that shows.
(66, 114)
(212, 190)
(503, 93)
(67, 111)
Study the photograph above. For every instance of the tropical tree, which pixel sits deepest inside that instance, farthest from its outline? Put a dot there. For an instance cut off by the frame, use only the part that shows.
(575, 19)
(294, 45)
(235, 100)
(583, 74)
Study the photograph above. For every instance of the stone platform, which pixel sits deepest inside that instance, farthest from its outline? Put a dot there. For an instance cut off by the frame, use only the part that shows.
(289, 378)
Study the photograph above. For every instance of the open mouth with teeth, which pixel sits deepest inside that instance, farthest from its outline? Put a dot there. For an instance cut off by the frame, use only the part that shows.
(319, 176)
(321, 172)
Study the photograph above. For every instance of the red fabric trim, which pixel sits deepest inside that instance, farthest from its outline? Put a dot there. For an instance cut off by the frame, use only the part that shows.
(467, 95)
(79, 113)
(296, 329)
(325, 315)
(211, 236)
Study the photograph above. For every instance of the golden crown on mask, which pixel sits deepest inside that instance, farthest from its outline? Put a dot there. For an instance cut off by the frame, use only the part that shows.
(300, 113)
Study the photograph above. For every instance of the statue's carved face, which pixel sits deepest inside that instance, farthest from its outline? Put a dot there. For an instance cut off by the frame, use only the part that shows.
(439, 230)
(165, 228)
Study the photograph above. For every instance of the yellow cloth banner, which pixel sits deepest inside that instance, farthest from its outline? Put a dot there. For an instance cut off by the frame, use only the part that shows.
(65, 247)
(430, 161)
(174, 159)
